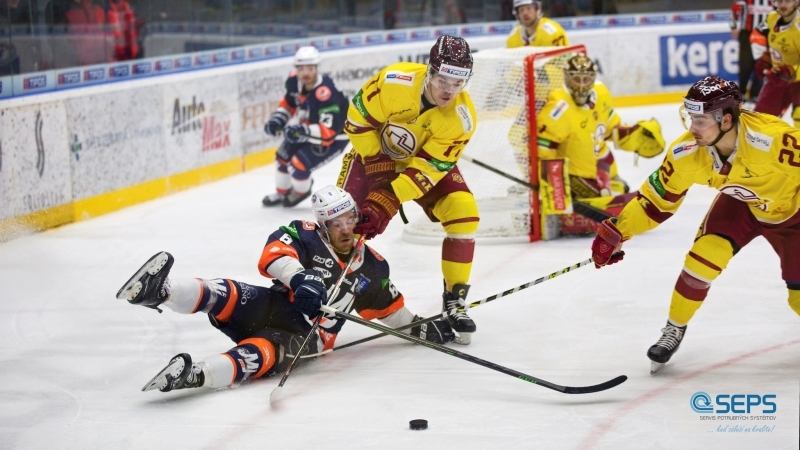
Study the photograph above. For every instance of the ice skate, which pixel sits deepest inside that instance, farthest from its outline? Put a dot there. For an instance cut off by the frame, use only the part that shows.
(274, 199)
(293, 199)
(667, 345)
(460, 322)
(179, 374)
(148, 286)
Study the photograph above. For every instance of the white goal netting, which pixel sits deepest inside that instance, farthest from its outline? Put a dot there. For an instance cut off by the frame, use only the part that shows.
(503, 81)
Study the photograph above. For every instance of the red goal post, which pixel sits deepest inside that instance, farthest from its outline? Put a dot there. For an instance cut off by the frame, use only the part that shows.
(508, 87)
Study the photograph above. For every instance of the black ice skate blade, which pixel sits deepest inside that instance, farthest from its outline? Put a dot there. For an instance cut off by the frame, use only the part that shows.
(145, 267)
(168, 370)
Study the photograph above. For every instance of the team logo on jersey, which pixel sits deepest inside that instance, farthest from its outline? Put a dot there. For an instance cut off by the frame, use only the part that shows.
(466, 118)
(397, 77)
(559, 110)
(361, 283)
(457, 178)
(397, 141)
(681, 150)
(323, 93)
(758, 140)
(746, 195)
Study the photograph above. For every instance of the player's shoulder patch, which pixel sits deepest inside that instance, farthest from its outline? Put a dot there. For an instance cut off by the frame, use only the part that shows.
(466, 118)
(758, 140)
(323, 93)
(559, 110)
(549, 27)
(681, 149)
(398, 77)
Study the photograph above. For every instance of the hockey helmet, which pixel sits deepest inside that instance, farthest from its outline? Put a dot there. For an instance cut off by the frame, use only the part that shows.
(450, 57)
(308, 55)
(712, 95)
(331, 202)
(535, 3)
(580, 74)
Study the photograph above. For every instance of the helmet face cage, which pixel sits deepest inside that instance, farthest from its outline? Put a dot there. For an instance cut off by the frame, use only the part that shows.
(579, 77)
(450, 56)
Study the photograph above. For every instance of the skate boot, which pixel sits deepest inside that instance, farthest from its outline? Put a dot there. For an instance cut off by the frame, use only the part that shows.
(148, 286)
(460, 322)
(274, 199)
(292, 199)
(662, 351)
(180, 373)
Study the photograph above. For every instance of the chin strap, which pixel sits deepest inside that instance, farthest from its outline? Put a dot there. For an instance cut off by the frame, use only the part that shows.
(721, 134)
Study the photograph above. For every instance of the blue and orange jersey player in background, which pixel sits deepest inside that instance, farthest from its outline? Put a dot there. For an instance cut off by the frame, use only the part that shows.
(305, 259)
(319, 110)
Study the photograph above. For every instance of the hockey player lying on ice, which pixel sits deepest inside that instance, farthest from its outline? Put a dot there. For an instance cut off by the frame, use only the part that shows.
(305, 259)
(751, 158)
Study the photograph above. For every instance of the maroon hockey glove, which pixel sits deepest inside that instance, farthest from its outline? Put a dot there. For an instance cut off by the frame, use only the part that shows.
(785, 72)
(376, 212)
(607, 244)
(309, 292)
(762, 65)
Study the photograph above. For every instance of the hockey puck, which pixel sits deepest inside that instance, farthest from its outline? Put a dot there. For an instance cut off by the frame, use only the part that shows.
(418, 424)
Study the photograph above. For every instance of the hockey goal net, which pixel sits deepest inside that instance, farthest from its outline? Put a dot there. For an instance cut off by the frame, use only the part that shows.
(509, 87)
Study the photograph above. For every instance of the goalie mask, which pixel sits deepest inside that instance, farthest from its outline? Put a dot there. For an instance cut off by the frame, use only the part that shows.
(579, 77)
(331, 202)
(450, 64)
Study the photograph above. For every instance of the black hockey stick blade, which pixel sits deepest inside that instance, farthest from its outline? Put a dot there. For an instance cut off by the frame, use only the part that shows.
(597, 387)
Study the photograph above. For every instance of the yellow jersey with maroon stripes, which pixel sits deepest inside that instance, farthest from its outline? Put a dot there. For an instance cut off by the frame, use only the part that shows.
(763, 171)
(566, 130)
(549, 33)
(783, 42)
(384, 117)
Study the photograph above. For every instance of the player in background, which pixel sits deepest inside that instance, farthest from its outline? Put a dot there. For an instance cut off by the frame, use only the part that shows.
(746, 16)
(780, 33)
(576, 123)
(320, 109)
(268, 325)
(408, 125)
(753, 159)
(534, 29)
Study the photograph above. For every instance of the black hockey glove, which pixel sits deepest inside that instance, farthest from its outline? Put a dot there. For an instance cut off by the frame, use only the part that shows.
(296, 134)
(276, 123)
(309, 292)
(438, 331)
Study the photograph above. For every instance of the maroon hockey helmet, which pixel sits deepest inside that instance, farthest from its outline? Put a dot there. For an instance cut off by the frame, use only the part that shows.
(450, 56)
(713, 95)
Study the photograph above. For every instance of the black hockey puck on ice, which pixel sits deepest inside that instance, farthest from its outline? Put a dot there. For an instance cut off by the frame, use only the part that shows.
(418, 424)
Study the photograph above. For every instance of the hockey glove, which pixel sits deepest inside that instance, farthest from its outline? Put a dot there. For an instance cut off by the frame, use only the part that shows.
(438, 331)
(785, 72)
(607, 244)
(644, 138)
(276, 123)
(309, 292)
(296, 134)
(376, 212)
(762, 65)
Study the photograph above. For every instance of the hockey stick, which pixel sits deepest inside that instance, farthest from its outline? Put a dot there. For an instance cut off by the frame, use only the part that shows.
(481, 362)
(471, 305)
(581, 208)
(277, 391)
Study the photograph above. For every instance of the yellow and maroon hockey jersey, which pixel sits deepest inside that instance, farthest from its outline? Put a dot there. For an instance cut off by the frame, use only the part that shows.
(548, 34)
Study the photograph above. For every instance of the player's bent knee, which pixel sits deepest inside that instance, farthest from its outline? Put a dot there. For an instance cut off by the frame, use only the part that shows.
(709, 256)
(458, 213)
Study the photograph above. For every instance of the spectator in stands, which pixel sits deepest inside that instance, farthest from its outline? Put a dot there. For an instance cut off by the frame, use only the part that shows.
(122, 24)
(18, 15)
(391, 9)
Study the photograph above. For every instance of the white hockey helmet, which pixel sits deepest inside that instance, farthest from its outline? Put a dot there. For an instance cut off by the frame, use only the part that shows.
(331, 202)
(535, 3)
(308, 55)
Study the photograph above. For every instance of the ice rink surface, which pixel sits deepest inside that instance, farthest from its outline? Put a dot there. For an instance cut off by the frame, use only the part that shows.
(73, 358)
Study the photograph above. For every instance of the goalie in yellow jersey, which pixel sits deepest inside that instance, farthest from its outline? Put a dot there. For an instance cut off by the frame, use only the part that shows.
(753, 159)
(534, 29)
(575, 125)
(408, 126)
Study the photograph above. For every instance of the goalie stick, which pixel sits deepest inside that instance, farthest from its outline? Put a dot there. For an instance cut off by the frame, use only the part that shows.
(581, 208)
(273, 396)
(462, 309)
(481, 362)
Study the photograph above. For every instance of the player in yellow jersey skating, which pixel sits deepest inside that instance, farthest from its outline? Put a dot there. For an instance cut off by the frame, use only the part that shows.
(408, 126)
(753, 159)
(575, 124)
(534, 29)
(779, 63)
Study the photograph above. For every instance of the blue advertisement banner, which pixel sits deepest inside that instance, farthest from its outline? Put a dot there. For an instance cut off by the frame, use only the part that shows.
(686, 58)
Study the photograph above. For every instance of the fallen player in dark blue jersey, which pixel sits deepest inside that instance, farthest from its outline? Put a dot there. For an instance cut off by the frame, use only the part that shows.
(305, 259)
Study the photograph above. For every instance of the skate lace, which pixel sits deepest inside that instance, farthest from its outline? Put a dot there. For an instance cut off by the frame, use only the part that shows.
(165, 289)
(454, 304)
(670, 338)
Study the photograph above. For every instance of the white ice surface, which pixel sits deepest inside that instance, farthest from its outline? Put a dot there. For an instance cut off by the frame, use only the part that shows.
(73, 358)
